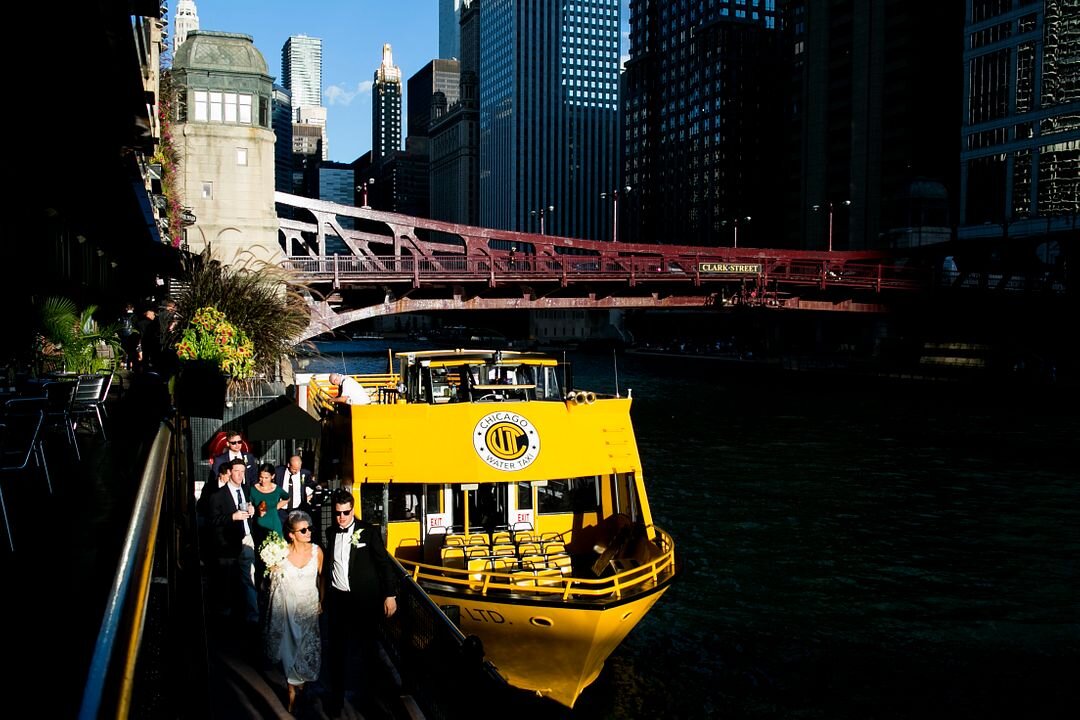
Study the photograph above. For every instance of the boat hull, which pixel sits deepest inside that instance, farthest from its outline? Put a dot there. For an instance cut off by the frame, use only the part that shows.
(553, 649)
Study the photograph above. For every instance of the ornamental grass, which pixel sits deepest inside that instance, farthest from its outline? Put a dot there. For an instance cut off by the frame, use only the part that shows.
(260, 301)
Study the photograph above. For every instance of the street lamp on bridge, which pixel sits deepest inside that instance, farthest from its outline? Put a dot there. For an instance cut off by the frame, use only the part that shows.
(744, 219)
(541, 213)
(614, 195)
(829, 205)
(362, 189)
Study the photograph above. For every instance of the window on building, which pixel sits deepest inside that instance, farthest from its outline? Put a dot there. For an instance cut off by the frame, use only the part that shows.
(208, 190)
(202, 106)
(241, 156)
(216, 107)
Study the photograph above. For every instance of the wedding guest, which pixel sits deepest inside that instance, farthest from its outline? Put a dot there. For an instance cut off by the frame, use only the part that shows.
(360, 588)
(298, 484)
(234, 450)
(292, 631)
(267, 497)
(149, 347)
(129, 337)
(204, 514)
(232, 515)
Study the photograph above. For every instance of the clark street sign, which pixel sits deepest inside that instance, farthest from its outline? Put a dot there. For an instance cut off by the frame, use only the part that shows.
(724, 268)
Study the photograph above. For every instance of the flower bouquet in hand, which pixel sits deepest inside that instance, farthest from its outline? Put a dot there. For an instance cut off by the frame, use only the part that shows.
(273, 551)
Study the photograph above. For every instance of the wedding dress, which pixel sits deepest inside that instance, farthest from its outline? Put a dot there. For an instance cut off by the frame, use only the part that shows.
(292, 634)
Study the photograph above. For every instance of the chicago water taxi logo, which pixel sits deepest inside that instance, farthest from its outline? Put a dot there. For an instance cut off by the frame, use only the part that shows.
(506, 441)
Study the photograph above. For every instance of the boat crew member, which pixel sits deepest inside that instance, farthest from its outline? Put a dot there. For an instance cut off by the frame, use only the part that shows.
(349, 391)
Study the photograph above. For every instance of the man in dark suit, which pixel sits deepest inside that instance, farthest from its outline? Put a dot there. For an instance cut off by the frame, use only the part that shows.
(233, 451)
(298, 483)
(231, 514)
(359, 588)
(300, 486)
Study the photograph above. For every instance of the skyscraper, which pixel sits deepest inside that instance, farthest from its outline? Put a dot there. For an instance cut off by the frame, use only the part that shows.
(549, 76)
(386, 108)
(870, 121)
(301, 71)
(454, 134)
(701, 110)
(281, 122)
(1020, 151)
(449, 37)
(437, 76)
(186, 20)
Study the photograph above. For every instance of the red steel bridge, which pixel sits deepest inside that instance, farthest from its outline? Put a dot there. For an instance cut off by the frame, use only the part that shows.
(362, 263)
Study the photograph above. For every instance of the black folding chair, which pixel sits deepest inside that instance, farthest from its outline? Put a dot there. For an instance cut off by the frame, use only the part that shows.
(58, 399)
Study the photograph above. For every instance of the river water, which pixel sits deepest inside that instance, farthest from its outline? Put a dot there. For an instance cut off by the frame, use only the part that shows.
(853, 548)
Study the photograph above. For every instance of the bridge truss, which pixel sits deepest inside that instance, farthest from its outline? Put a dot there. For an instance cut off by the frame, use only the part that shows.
(363, 263)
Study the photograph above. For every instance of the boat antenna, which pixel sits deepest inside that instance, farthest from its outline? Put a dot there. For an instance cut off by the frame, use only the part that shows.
(615, 362)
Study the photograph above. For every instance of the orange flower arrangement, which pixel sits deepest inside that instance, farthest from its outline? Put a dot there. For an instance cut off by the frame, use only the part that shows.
(211, 337)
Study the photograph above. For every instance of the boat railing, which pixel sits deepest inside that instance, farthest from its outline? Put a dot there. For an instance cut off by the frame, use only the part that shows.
(628, 578)
(382, 387)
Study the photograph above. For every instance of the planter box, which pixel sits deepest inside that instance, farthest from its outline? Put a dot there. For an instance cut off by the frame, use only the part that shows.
(200, 389)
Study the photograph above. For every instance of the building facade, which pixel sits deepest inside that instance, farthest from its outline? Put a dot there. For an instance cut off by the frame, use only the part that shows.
(868, 116)
(1020, 151)
(449, 39)
(224, 93)
(701, 116)
(386, 108)
(454, 132)
(301, 71)
(548, 114)
(443, 76)
(281, 122)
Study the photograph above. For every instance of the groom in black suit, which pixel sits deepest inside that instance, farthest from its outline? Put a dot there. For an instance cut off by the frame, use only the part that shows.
(360, 587)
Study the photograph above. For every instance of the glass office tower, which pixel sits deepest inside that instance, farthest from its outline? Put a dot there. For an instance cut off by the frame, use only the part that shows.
(1020, 152)
(549, 75)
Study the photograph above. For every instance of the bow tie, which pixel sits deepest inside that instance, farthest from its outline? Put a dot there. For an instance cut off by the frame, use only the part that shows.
(342, 529)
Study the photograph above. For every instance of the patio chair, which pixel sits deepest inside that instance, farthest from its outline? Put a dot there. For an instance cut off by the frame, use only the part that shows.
(58, 398)
(17, 407)
(89, 396)
(18, 447)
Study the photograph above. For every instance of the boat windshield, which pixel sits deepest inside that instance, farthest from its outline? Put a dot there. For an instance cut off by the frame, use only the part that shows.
(439, 383)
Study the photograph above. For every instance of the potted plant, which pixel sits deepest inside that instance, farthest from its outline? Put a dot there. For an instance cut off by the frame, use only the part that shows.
(82, 345)
(243, 317)
(211, 351)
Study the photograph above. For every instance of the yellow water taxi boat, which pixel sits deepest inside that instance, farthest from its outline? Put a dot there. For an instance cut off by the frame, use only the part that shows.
(519, 502)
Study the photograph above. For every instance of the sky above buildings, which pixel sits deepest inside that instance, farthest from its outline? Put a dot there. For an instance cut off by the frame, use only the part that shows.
(353, 33)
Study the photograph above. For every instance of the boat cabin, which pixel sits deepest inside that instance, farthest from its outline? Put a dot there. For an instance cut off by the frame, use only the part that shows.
(478, 376)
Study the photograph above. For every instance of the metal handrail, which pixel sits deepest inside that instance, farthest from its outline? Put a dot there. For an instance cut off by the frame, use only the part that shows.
(484, 582)
(126, 608)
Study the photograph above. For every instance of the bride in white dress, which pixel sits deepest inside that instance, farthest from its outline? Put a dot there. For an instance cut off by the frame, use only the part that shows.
(292, 634)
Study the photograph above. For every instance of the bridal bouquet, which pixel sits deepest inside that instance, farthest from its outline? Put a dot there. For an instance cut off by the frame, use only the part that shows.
(273, 551)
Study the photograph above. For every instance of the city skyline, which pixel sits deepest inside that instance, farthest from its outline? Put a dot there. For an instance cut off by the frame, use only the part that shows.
(353, 36)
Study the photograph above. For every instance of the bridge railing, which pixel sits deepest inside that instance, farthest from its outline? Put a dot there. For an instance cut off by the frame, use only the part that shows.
(819, 272)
